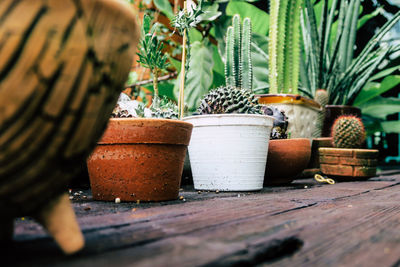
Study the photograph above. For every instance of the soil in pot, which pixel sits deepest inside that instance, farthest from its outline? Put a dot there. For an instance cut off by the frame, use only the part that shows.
(287, 158)
(139, 160)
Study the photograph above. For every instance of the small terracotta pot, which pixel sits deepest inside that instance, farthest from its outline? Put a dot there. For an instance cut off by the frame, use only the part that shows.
(332, 112)
(286, 159)
(348, 164)
(139, 159)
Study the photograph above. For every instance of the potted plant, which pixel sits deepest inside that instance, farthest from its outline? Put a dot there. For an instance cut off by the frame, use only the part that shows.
(284, 60)
(329, 63)
(229, 145)
(141, 159)
(346, 161)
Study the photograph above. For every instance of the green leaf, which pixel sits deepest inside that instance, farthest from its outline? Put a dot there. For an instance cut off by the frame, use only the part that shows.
(165, 88)
(380, 107)
(367, 17)
(175, 63)
(200, 75)
(391, 126)
(165, 7)
(195, 35)
(372, 90)
(210, 13)
(259, 18)
(219, 66)
(259, 58)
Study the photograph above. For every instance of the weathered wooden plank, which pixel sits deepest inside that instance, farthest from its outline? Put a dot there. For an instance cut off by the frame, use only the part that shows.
(211, 227)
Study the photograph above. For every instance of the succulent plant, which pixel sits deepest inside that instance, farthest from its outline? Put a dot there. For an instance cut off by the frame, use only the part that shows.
(322, 97)
(328, 60)
(164, 110)
(280, 125)
(348, 132)
(238, 66)
(228, 99)
(151, 53)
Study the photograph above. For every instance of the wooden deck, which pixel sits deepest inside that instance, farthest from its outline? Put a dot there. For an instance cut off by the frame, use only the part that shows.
(304, 224)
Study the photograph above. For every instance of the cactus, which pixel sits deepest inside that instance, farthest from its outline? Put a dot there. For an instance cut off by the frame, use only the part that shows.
(227, 99)
(322, 97)
(348, 132)
(284, 46)
(238, 66)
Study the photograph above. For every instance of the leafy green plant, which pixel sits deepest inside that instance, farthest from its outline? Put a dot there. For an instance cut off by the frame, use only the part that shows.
(328, 61)
(284, 46)
(151, 55)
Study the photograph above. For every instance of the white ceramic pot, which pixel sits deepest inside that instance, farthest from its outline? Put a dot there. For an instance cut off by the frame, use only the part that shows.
(302, 113)
(228, 152)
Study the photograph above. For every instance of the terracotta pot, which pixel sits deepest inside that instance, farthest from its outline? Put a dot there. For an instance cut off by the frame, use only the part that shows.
(313, 165)
(334, 111)
(348, 164)
(302, 112)
(286, 159)
(63, 68)
(139, 159)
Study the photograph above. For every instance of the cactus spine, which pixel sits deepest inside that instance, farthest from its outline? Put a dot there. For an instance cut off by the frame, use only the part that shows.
(322, 97)
(348, 132)
(238, 66)
(284, 46)
(227, 99)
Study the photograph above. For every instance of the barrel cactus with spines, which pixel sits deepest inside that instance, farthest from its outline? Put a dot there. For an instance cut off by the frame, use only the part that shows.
(348, 132)
(238, 67)
(322, 97)
(228, 99)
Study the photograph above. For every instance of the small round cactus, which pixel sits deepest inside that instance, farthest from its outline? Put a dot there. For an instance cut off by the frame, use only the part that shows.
(348, 132)
(229, 99)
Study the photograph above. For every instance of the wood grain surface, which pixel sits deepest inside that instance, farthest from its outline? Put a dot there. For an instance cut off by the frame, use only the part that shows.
(304, 224)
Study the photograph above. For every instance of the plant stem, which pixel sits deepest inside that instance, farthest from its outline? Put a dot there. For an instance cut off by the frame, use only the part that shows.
(155, 82)
(181, 102)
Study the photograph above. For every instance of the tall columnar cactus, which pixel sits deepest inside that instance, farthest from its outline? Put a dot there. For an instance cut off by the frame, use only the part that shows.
(348, 132)
(238, 66)
(284, 46)
(322, 97)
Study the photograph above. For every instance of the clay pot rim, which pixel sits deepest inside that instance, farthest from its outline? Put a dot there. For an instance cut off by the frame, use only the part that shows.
(297, 140)
(165, 128)
(336, 149)
(151, 120)
(288, 99)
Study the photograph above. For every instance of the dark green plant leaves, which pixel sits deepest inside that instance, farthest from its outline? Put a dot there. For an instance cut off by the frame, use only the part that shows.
(165, 7)
(259, 18)
(373, 90)
(380, 107)
(259, 59)
(200, 75)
